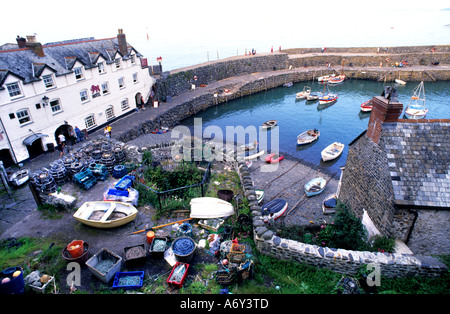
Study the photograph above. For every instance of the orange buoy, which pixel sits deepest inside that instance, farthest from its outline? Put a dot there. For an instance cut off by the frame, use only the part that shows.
(150, 236)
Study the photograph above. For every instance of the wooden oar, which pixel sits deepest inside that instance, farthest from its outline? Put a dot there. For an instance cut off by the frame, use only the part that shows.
(160, 226)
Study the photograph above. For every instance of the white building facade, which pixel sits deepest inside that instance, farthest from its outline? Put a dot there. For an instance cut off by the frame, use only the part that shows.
(46, 90)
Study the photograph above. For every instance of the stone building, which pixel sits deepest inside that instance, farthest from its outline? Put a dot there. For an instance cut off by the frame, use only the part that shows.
(47, 90)
(397, 177)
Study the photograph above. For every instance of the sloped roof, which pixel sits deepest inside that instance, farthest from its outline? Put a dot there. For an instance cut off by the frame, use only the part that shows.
(419, 161)
(20, 61)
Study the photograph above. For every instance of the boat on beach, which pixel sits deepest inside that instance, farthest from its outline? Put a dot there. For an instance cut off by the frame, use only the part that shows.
(274, 158)
(105, 214)
(329, 204)
(254, 156)
(332, 151)
(416, 107)
(274, 209)
(19, 177)
(315, 186)
(303, 94)
(308, 137)
(269, 124)
(366, 106)
(210, 207)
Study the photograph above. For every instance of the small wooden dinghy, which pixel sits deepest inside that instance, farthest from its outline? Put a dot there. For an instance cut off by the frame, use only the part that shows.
(332, 151)
(269, 124)
(274, 209)
(274, 158)
(367, 106)
(260, 195)
(325, 78)
(254, 156)
(105, 214)
(210, 207)
(307, 137)
(329, 204)
(313, 96)
(400, 82)
(303, 94)
(315, 186)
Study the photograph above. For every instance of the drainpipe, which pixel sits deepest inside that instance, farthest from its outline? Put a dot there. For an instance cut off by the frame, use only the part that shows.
(416, 214)
(9, 142)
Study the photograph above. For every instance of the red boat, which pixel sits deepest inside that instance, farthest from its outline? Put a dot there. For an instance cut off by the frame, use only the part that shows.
(274, 158)
(336, 79)
(366, 106)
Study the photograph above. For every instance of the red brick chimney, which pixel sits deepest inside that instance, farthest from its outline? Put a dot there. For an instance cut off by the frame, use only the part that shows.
(122, 43)
(21, 42)
(385, 108)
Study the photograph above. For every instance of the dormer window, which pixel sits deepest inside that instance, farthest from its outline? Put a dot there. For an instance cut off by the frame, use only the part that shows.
(101, 68)
(48, 81)
(133, 59)
(79, 75)
(117, 61)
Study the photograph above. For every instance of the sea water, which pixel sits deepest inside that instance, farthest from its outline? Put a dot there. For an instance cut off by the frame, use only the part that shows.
(342, 121)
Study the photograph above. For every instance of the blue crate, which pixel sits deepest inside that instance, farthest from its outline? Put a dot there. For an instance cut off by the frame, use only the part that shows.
(118, 192)
(119, 275)
(124, 183)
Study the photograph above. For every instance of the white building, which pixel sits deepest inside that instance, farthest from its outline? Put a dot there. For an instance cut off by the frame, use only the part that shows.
(49, 89)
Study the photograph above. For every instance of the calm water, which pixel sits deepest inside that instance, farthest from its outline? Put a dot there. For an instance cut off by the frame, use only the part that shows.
(342, 121)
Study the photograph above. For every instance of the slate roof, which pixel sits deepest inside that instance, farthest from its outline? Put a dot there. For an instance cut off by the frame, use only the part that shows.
(419, 162)
(60, 57)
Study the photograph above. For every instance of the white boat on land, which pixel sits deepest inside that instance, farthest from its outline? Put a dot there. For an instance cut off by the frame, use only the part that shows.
(325, 78)
(254, 156)
(269, 124)
(105, 214)
(248, 147)
(19, 177)
(273, 210)
(332, 151)
(303, 94)
(308, 137)
(416, 108)
(210, 207)
(315, 186)
(329, 204)
(400, 82)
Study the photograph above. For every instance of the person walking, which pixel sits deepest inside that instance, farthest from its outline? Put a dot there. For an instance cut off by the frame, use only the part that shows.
(78, 134)
(60, 147)
(62, 138)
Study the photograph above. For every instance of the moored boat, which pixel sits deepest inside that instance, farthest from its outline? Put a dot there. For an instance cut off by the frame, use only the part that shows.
(325, 78)
(105, 214)
(269, 124)
(327, 98)
(329, 204)
(416, 107)
(303, 94)
(366, 106)
(400, 82)
(274, 158)
(313, 96)
(308, 137)
(274, 209)
(337, 79)
(210, 207)
(315, 186)
(332, 151)
(248, 147)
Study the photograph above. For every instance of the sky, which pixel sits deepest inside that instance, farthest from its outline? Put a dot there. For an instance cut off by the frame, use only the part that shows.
(176, 24)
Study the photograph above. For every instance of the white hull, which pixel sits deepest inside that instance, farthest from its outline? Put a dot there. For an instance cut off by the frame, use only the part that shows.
(254, 156)
(210, 207)
(332, 151)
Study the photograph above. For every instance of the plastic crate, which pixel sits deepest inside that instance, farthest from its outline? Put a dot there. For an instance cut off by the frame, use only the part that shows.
(158, 254)
(119, 275)
(124, 183)
(100, 256)
(118, 192)
(178, 283)
(138, 260)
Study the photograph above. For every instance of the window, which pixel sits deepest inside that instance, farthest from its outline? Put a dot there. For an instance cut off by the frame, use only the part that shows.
(135, 78)
(117, 61)
(14, 89)
(23, 115)
(121, 82)
(133, 59)
(55, 105)
(84, 95)
(89, 121)
(124, 104)
(78, 73)
(101, 68)
(105, 88)
(48, 81)
(109, 112)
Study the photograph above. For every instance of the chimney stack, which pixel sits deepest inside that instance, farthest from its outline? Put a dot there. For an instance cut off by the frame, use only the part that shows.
(35, 46)
(21, 42)
(122, 43)
(385, 108)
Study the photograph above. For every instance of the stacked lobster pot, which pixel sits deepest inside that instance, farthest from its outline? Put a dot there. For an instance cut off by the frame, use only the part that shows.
(97, 154)
(44, 182)
(119, 154)
(68, 161)
(119, 171)
(108, 160)
(99, 171)
(106, 147)
(59, 172)
(76, 167)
